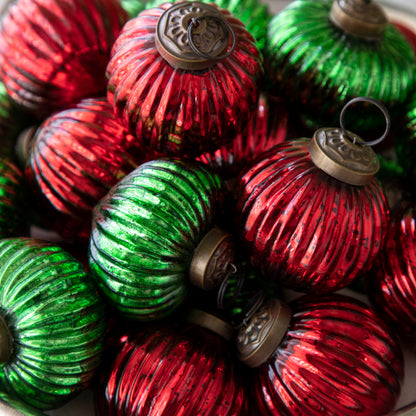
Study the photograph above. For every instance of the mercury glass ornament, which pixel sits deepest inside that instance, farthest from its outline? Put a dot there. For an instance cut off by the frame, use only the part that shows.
(51, 323)
(184, 77)
(329, 355)
(322, 54)
(54, 52)
(12, 407)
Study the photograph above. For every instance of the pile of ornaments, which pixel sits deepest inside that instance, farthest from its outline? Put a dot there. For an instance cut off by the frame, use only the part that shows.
(184, 187)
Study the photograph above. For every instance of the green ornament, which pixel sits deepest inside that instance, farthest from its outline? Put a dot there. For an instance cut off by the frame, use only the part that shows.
(52, 323)
(13, 407)
(133, 7)
(320, 60)
(145, 233)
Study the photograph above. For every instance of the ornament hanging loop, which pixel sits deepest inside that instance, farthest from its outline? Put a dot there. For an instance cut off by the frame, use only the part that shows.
(380, 106)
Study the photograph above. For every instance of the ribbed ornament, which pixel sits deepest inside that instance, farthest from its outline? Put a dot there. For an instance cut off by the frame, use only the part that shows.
(177, 111)
(54, 52)
(75, 157)
(14, 407)
(303, 228)
(391, 286)
(326, 67)
(408, 33)
(337, 358)
(55, 320)
(144, 234)
(165, 371)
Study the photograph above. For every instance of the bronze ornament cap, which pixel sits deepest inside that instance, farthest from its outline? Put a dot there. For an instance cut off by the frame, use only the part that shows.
(211, 322)
(332, 151)
(257, 341)
(362, 18)
(6, 346)
(192, 35)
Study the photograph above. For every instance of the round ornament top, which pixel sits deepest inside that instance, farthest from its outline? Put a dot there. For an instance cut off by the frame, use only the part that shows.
(193, 35)
(361, 18)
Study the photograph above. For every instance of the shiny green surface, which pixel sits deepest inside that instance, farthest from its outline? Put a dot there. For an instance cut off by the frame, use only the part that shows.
(321, 68)
(133, 7)
(144, 234)
(56, 320)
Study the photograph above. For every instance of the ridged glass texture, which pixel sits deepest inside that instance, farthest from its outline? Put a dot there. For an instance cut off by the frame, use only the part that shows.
(56, 320)
(188, 371)
(145, 231)
(337, 358)
(76, 156)
(268, 126)
(54, 52)
(321, 68)
(9, 406)
(305, 229)
(175, 111)
(408, 33)
(392, 283)
(13, 220)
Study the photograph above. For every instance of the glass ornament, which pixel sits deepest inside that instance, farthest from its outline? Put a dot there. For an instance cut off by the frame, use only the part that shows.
(52, 323)
(13, 407)
(145, 232)
(179, 99)
(74, 158)
(329, 355)
(327, 64)
(54, 52)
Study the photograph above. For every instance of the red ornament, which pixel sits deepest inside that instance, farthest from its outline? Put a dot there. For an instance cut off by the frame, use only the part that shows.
(392, 283)
(304, 228)
(169, 371)
(329, 355)
(76, 156)
(179, 101)
(54, 52)
(268, 126)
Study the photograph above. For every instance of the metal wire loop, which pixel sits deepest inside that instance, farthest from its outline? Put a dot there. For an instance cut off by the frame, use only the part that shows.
(194, 22)
(252, 307)
(380, 106)
(224, 285)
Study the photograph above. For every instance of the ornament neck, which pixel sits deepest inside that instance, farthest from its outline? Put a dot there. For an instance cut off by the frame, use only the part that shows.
(24, 143)
(5, 342)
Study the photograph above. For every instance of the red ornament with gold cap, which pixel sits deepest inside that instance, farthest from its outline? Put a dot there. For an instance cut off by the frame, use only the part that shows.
(311, 213)
(184, 77)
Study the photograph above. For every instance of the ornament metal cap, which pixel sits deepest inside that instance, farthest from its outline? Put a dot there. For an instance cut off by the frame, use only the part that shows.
(258, 340)
(6, 346)
(362, 18)
(192, 35)
(211, 322)
(24, 143)
(212, 259)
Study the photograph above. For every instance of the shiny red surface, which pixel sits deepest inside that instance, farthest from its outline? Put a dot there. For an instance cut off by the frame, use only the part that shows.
(392, 283)
(337, 358)
(77, 155)
(267, 127)
(177, 111)
(54, 52)
(168, 372)
(305, 229)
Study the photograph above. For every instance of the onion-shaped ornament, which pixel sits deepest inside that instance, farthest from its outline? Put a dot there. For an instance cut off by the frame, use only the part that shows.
(322, 355)
(51, 323)
(332, 51)
(74, 158)
(184, 77)
(13, 407)
(311, 213)
(54, 52)
(189, 368)
(152, 232)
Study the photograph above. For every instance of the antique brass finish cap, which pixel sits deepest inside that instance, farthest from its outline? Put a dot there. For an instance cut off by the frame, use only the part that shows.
(211, 322)
(6, 346)
(193, 35)
(24, 143)
(212, 259)
(361, 18)
(257, 341)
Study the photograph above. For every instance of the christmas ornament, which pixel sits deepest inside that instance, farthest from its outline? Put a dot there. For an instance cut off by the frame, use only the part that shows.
(267, 127)
(75, 157)
(187, 369)
(51, 323)
(185, 77)
(152, 231)
(391, 285)
(408, 33)
(54, 52)
(324, 355)
(134, 7)
(12, 407)
(311, 213)
(332, 51)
